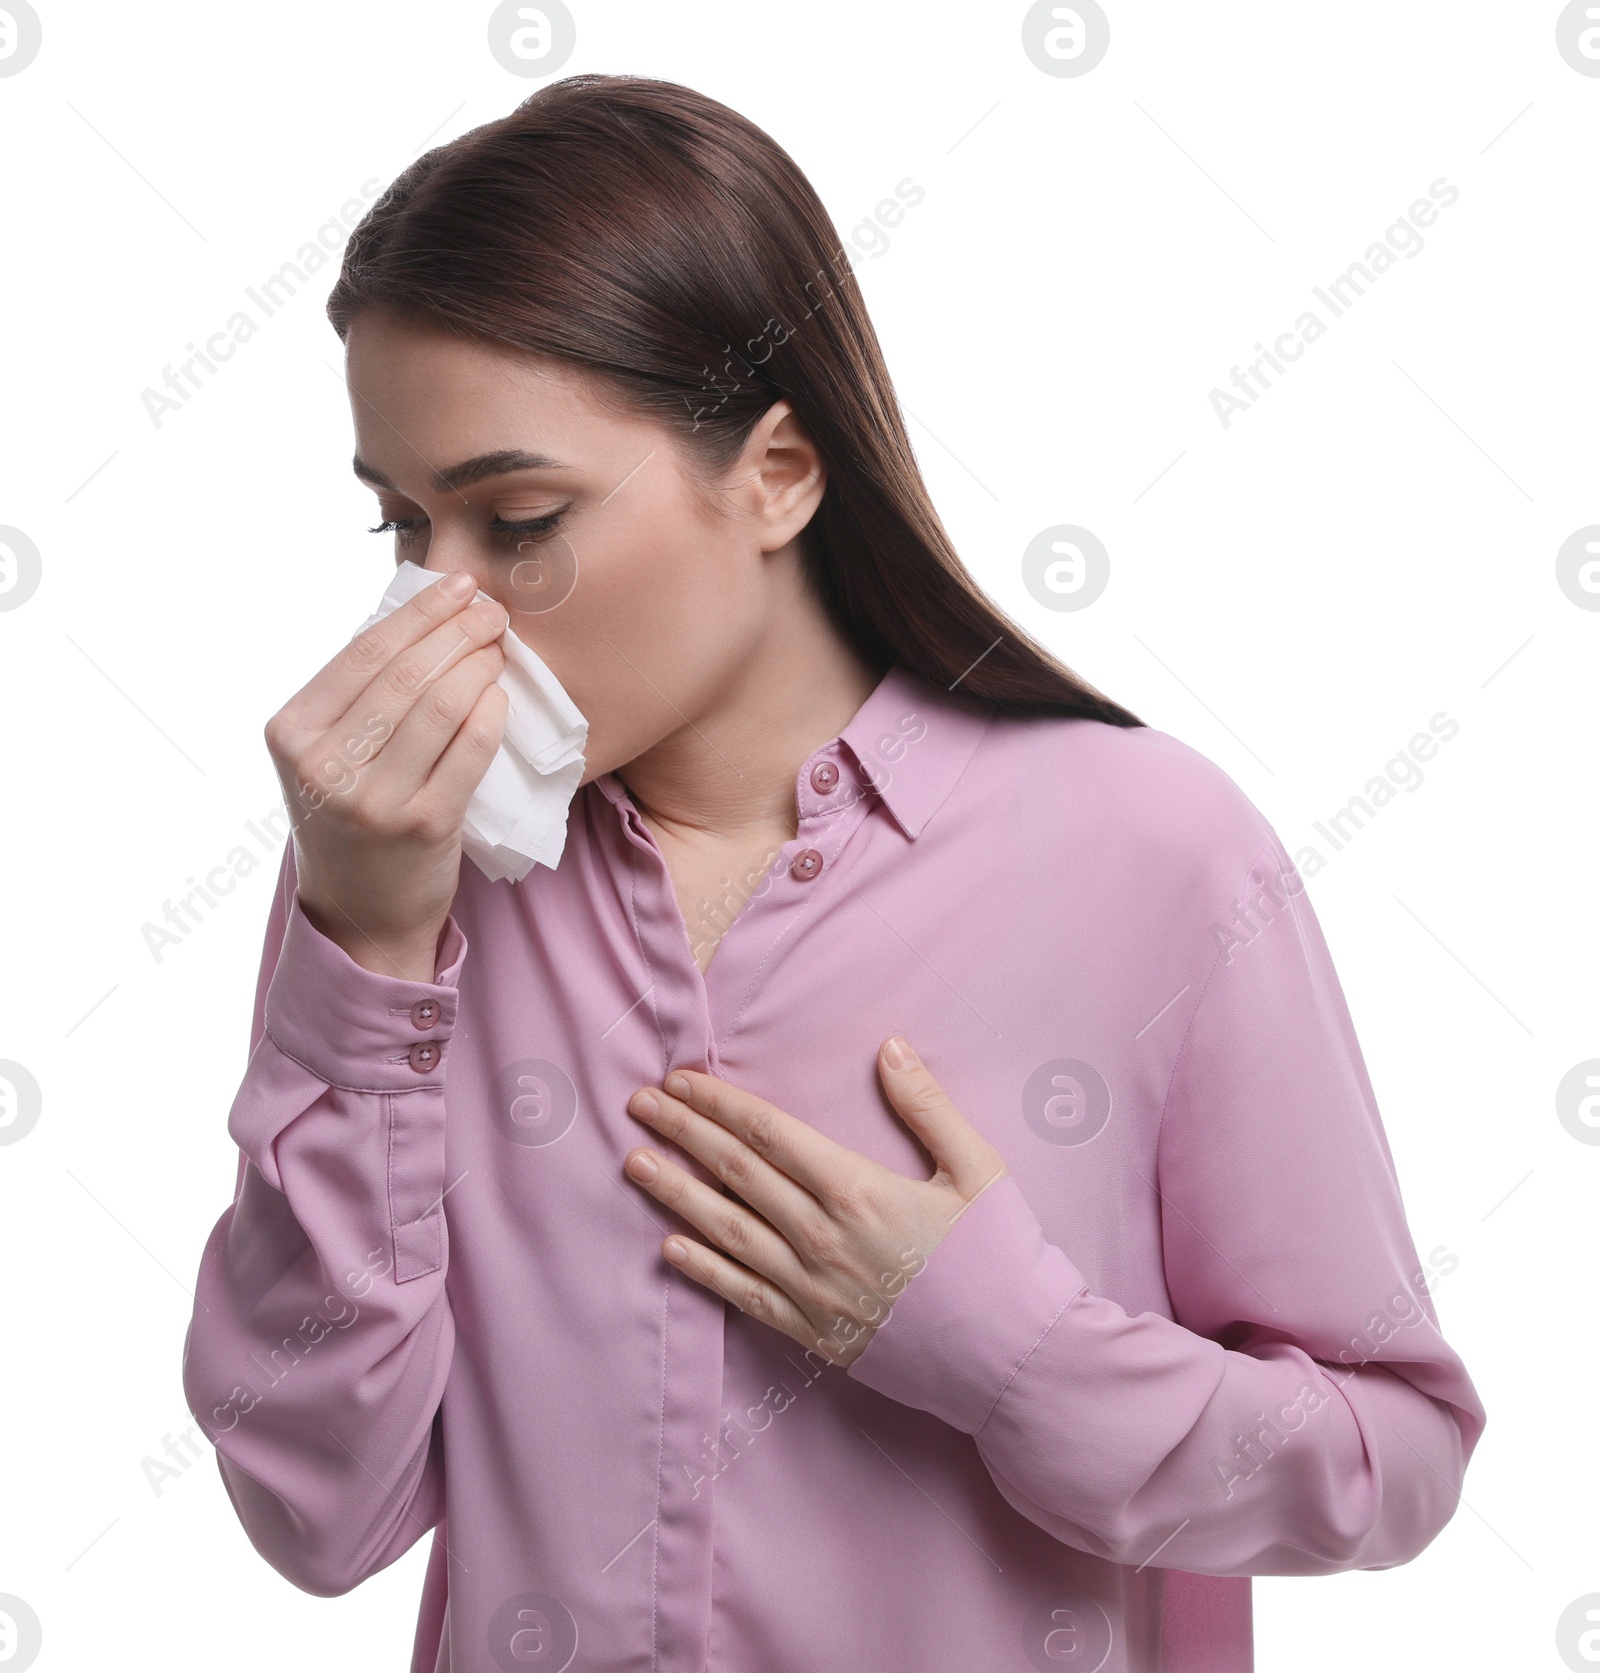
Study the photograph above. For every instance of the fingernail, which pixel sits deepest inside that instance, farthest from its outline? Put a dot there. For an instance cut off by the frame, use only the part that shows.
(642, 1167)
(897, 1053)
(644, 1103)
(677, 1086)
(459, 585)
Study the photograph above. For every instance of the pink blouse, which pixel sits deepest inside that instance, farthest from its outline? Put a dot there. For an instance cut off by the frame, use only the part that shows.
(1185, 1340)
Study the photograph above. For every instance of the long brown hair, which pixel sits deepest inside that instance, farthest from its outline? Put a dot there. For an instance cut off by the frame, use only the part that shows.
(662, 242)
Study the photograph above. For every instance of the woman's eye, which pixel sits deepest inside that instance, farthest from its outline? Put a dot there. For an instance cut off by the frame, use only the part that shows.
(404, 528)
(527, 528)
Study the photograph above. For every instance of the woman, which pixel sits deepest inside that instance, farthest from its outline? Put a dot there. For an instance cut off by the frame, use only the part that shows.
(572, 1211)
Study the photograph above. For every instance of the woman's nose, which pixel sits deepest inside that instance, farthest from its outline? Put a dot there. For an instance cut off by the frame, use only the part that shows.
(542, 579)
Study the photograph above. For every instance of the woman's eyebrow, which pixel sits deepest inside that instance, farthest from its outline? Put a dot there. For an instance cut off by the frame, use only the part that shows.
(468, 471)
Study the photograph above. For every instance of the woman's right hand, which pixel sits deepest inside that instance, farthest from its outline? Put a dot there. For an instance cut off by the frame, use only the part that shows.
(378, 755)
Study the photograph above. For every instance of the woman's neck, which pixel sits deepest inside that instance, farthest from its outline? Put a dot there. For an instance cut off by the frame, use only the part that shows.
(726, 776)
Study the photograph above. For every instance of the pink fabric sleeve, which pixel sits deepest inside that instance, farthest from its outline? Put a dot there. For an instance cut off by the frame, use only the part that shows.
(321, 1337)
(1302, 1413)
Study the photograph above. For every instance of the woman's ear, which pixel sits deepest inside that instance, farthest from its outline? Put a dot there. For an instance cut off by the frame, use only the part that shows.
(785, 473)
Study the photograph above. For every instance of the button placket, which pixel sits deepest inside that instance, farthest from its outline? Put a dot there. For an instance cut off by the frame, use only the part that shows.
(825, 779)
(829, 822)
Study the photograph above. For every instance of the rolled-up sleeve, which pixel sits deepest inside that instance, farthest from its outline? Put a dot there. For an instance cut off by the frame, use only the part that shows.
(1300, 1413)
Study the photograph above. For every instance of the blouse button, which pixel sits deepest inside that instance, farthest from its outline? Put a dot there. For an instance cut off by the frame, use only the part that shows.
(424, 1014)
(807, 863)
(824, 776)
(424, 1055)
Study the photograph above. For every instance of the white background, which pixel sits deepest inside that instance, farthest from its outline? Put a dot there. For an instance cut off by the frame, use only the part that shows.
(1371, 544)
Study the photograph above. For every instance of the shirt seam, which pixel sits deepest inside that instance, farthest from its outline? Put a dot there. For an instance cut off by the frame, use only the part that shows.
(1032, 1349)
(387, 1106)
(980, 739)
(1194, 1016)
(344, 1086)
(661, 1455)
(1082, 1288)
(638, 938)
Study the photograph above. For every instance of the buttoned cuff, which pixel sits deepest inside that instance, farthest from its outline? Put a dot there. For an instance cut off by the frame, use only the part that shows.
(356, 1029)
(987, 1296)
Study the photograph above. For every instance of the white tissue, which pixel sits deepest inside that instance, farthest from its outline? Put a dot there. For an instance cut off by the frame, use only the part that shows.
(517, 817)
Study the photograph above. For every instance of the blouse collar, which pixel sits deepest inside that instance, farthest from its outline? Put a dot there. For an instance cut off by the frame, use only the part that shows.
(909, 742)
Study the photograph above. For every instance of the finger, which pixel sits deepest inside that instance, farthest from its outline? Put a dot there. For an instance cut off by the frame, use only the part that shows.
(752, 1294)
(725, 1220)
(959, 1151)
(331, 763)
(794, 1148)
(461, 768)
(388, 764)
(398, 687)
(323, 701)
(787, 1205)
(431, 729)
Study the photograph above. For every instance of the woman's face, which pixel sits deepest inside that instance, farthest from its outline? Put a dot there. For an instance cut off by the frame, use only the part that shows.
(581, 520)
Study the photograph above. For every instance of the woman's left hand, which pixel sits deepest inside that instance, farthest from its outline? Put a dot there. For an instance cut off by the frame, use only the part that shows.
(819, 1239)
